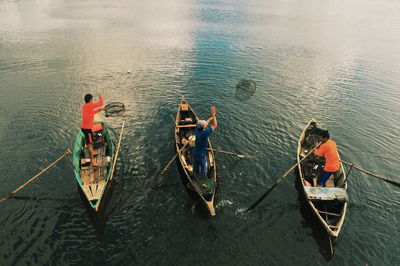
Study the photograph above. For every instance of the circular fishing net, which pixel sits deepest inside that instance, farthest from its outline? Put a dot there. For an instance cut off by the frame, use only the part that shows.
(114, 109)
(245, 89)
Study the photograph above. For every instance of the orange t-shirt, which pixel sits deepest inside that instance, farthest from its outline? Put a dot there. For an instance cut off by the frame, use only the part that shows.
(329, 151)
(88, 112)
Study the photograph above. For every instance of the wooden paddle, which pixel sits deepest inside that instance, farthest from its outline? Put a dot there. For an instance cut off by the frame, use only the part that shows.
(372, 174)
(231, 153)
(280, 179)
(116, 152)
(173, 158)
(33, 178)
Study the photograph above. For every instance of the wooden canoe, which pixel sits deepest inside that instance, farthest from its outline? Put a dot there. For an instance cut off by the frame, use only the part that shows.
(328, 203)
(185, 125)
(94, 181)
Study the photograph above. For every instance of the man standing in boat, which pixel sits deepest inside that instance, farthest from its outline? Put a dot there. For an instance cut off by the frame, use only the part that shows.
(328, 149)
(200, 148)
(88, 112)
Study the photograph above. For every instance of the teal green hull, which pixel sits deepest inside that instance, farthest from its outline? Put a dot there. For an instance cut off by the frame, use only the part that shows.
(76, 157)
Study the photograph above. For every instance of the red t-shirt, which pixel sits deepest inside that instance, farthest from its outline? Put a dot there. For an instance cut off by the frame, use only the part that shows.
(329, 151)
(88, 111)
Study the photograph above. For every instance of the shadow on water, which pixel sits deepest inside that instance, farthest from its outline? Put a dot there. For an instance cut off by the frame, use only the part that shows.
(318, 232)
(107, 207)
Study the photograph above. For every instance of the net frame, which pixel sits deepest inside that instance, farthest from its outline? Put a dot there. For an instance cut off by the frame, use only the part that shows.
(114, 109)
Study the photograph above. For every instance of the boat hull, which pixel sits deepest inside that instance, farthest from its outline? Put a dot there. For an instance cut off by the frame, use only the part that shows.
(204, 188)
(94, 182)
(328, 204)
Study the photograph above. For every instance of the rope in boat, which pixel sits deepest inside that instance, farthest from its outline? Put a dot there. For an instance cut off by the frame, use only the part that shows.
(34, 177)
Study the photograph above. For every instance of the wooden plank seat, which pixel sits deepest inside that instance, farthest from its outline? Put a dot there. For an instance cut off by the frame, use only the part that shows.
(329, 213)
(184, 107)
(326, 193)
(93, 191)
(190, 125)
(334, 227)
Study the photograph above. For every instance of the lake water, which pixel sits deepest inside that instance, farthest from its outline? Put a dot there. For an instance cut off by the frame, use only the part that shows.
(335, 61)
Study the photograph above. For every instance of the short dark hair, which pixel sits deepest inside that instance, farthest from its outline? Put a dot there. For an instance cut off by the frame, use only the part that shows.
(324, 134)
(88, 97)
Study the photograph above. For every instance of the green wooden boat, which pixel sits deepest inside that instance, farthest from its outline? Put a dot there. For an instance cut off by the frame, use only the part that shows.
(94, 181)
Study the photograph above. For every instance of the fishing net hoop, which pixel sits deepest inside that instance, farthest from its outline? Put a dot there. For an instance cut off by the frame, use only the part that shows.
(246, 85)
(114, 109)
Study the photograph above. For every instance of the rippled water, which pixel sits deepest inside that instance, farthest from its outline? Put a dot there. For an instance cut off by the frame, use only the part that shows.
(336, 61)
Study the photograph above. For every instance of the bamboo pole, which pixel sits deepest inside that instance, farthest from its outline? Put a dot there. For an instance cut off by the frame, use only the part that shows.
(116, 152)
(231, 153)
(280, 179)
(34, 177)
(173, 158)
(372, 174)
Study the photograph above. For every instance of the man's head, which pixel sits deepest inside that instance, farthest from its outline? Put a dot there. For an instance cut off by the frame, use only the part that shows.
(324, 134)
(201, 124)
(88, 98)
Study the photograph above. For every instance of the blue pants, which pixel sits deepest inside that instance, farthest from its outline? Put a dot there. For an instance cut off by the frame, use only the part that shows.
(200, 166)
(324, 176)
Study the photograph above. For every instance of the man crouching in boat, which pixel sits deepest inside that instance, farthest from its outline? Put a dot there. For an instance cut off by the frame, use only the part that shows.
(200, 147)
(88, 112)
(328, 149)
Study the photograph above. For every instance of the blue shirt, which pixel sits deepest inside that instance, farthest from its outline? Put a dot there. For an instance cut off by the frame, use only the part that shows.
(200, 146)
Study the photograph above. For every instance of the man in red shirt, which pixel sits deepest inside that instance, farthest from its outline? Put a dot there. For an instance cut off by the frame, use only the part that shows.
(328, 150)
(88, 112)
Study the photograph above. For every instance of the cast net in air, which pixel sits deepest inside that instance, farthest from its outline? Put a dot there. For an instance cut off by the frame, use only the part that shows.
(114, 109)
(245, 89)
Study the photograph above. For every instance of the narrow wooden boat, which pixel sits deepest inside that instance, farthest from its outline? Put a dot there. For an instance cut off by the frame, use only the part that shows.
(328, 203)
(94, 181)
(185, 125)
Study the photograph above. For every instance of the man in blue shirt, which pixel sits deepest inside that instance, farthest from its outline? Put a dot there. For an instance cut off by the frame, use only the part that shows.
(200, 147)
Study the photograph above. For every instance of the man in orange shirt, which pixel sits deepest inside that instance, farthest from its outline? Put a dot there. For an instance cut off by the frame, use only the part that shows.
(88, 112)
(328, 150)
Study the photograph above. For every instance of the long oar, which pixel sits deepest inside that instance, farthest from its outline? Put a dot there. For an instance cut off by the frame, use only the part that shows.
(33, 178)
(231, 153)
(173, 158)
(116, 152)
(372, 174)
(280, 179)
(221, 151)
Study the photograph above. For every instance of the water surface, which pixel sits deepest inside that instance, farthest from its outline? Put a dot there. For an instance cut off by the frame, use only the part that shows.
(335, 61)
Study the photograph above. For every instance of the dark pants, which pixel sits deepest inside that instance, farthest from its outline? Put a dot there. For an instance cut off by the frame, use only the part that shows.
(324, 177)
(200, 166)
(88, 135)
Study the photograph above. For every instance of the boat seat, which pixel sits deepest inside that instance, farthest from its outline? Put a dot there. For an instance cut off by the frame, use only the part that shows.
(326, 193)
(93, 190)
(192, 125)
(184, 107)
